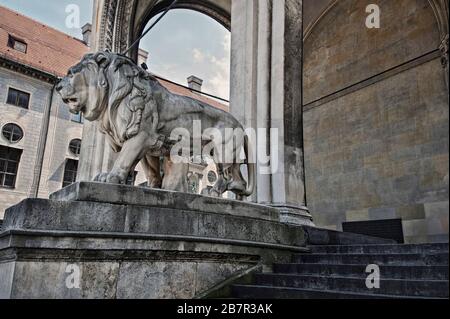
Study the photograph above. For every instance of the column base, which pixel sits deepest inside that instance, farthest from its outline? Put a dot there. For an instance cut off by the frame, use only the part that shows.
(294, 215)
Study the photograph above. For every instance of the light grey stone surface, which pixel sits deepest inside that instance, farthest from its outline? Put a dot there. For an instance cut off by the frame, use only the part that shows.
(47, 280)
(132, 251)
(157, 280)
(140, 196)
(128, 267)
(6, 278)
(162, 218)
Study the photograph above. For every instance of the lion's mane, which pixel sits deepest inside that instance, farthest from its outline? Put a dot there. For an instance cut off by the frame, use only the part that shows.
(129, 94)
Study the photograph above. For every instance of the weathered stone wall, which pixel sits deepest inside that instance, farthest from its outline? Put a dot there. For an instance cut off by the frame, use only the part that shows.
(376, 119)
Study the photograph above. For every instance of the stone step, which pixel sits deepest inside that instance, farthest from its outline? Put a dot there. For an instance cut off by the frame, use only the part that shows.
(415, 288)
(435, 259)
(382, 249)
(266, 292)
(387, 271)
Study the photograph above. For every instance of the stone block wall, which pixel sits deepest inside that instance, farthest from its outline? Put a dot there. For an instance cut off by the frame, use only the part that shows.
(376, 120)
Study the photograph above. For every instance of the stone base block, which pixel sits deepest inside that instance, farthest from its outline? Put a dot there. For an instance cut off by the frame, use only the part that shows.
(109, 241)
(293, 215)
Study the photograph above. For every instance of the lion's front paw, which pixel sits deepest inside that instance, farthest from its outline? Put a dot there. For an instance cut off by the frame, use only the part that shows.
(114, 179)
(101, 178)
(109, 178)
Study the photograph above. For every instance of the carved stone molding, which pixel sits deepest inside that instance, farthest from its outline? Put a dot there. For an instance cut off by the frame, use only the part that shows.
(119, 26)
(444, 51)
(107, 24)
(124, 20)
(441, 12)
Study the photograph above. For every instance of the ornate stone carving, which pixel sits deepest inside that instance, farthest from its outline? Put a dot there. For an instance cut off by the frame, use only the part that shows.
(138, 116)
(440, 10)
(444, 51)
(123, 22)
(107, 25)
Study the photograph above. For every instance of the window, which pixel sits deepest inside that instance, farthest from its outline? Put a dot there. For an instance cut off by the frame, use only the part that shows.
(77, 118)
(9, 165)
(212, 177)
(75, 147)
(193, 183)
(18, 98)
(17, 44)
(12, 133)
(131, 180)
(70, 172)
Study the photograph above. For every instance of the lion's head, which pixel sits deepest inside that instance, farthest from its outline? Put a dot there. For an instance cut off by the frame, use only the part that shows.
(98, 81)
(99, 84)
(85, 88)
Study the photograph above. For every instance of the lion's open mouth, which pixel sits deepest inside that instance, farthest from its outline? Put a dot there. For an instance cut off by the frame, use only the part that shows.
(71, 101)
(74, 105)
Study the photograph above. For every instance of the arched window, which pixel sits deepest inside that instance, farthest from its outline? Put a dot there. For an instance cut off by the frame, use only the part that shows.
(12, 133)
(75, 147)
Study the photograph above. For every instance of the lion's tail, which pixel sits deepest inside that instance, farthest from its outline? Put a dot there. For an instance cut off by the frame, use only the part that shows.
(251, 169)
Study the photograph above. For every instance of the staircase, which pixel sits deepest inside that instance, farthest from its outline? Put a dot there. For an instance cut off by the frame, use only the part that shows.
(339, 272)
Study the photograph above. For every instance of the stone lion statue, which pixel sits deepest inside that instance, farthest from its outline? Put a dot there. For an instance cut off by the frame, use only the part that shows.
(138, 116)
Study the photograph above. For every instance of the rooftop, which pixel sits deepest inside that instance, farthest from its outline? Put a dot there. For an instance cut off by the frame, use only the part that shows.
(47, 49)
(54, 52)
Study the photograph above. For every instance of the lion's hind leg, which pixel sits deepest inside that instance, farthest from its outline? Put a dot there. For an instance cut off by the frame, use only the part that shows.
(152, 170)
(237, 183)
(222, 182)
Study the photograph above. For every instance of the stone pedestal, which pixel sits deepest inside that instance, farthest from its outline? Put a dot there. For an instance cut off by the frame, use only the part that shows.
(116, 241)
(294, 215)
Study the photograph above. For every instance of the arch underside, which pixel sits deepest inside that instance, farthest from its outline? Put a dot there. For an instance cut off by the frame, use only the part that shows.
(319, 8)
(123, 21)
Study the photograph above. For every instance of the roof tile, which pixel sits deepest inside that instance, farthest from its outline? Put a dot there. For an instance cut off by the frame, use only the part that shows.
(54, 52)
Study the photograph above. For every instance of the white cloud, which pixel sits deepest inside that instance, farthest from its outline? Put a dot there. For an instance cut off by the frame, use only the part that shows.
(198, 55)
(213, 69)
(218, 82)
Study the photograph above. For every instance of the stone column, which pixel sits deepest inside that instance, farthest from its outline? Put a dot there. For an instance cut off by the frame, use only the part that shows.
(287, 92)
(266, 92)
(96, 155)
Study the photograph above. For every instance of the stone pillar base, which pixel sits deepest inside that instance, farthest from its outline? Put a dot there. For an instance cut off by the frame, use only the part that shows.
(102, 241)
(293, 215)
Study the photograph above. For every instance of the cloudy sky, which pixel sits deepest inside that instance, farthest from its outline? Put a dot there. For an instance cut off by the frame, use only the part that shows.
(184, 43)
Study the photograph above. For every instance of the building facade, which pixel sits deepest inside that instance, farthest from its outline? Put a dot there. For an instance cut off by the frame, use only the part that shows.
(39, 138)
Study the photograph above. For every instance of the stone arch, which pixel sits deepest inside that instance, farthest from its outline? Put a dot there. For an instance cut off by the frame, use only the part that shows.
(368, 88)
(205, 7)
(122, 21)
(327, 51)
(440, 10)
